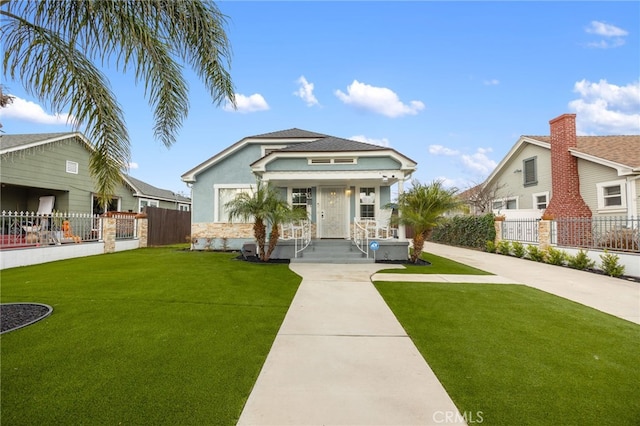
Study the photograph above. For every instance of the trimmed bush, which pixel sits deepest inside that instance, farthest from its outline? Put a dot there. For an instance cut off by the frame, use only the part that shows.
(465, 231)
(556, 256)
(490, 247)
(580, 261)
(610, 265)
(504, 247)
(534, 253)
(518, 249)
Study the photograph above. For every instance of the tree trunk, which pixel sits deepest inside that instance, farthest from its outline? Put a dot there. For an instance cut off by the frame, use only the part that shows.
(274, 235)
(418, 244)
(260, 232)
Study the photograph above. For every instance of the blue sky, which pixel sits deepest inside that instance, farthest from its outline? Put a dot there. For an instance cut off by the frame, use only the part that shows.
(452, 85)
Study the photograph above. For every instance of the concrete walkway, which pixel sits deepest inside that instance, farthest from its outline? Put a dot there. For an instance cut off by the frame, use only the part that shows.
(342, 358)
(611, 295)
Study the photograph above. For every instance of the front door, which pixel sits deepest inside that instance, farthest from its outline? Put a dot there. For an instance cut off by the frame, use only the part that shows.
(333, 213)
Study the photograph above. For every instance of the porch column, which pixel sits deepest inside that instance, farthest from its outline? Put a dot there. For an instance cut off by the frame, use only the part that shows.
(402, 232)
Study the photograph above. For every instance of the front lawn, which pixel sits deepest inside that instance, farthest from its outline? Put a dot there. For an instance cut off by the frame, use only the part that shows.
(439, 265)
(517, 355)
(151, 336)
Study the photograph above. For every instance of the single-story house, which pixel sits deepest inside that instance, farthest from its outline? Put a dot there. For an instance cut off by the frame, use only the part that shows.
(335, 180)
(57, 164)
(565, 175)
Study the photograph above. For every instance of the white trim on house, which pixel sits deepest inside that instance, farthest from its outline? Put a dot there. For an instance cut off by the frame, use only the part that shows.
(190, 176)
(216, 199)
(602, 207)
(48, 141)
(620, 168)
(324, 175)
(405, 163)
(514, 151)
(265, 148)
(150, 203)
(534, 200)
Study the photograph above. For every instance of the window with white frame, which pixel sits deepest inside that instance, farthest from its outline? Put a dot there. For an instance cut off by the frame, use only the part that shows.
(530, 174)
(222, 195)
(143, 202)
(611, 195)
(300, 198)
(540, 200)
(505, 203)
(367, 203)
(184, 207)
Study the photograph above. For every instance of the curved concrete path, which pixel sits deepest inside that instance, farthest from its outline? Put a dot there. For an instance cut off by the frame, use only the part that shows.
(613, 296)
(342, 358)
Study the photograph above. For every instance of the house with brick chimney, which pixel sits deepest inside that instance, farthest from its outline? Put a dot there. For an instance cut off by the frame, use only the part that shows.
(569, 176)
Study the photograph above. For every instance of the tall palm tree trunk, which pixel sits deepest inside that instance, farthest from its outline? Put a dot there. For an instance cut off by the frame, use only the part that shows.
(274, 235)
(260, 232)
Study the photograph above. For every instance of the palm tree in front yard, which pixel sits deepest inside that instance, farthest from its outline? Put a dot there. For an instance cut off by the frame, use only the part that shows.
(265, 207)
(422, 207)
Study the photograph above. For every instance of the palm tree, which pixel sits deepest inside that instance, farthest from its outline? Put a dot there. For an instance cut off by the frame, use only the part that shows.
(265, 207)
(280, 212)
(53, 46)
(421, 208)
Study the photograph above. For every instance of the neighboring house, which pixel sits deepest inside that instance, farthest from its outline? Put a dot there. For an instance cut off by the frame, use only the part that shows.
(335, 180)
(35, 165)
(566, 175)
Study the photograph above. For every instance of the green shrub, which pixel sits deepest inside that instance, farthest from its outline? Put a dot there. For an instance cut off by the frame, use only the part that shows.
(490, 247)
(534, 253)
(580, 261)
(556, 256)
(504, 247)
(518, 249)
(466, 231)
(610, 265)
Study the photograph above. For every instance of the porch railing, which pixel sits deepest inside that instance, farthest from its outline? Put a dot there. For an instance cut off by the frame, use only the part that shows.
(29, 229)
(299, 232)
(361, 236)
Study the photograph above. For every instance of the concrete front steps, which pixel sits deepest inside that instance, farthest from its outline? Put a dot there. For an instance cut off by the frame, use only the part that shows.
(332, 251)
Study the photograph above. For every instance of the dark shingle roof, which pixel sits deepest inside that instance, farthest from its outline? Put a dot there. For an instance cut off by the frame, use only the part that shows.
(290, 133)
(621, 149)
(151, 191)
(332, 144)
(12, 141)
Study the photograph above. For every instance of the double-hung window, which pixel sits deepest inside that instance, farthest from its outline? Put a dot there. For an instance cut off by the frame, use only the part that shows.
(540, 200)
(611, 195)
(368, 203)
(145, 202)
(300, 198)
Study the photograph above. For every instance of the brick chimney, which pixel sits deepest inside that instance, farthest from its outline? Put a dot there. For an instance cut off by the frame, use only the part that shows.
(566, 200)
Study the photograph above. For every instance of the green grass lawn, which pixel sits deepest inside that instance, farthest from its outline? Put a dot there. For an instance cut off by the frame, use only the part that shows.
(439, 265)
(151, 336)
(522, 356)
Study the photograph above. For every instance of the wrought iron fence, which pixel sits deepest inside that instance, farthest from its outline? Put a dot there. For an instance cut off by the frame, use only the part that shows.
(125, 225)
(612, 233)
(523, 230)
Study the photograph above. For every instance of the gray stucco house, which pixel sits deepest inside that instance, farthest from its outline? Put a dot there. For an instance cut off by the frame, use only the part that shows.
(57, 164)
(335, 180)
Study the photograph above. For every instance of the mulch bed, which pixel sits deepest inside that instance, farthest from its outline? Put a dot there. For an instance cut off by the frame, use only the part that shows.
(18, 315)
(420, 262)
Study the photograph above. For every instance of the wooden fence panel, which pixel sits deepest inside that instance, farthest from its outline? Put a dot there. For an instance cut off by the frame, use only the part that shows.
(167, 226)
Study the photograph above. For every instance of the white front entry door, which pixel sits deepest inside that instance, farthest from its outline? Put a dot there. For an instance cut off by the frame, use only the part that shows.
(333, 214)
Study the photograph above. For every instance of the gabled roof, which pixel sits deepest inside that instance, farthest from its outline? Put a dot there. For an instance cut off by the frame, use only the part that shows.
(290, 133)
(143, 189)
(19, 142)
(332, 144)
(301, 141)
(10, 143)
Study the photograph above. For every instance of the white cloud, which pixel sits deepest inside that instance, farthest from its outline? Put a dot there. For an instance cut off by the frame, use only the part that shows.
(442, 150)
(247, 104)
(305, 91)
(22, 109)
(479, 162)
(607, 108)
(613, 34)
(492, 82)
(377, 99)
(362, 138)
(133, 166)
(605, 30)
